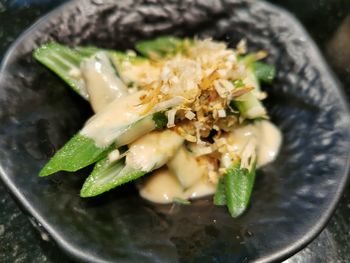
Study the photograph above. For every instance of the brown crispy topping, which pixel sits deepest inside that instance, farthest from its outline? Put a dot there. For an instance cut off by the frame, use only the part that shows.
(241, 91)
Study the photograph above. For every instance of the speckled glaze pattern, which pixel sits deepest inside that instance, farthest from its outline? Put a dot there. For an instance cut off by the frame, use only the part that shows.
(293, 197)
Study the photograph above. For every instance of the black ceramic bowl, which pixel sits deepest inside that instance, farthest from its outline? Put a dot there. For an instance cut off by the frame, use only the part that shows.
(293, 197)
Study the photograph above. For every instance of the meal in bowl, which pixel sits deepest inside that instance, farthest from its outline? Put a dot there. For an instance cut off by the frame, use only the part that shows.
(184, 114)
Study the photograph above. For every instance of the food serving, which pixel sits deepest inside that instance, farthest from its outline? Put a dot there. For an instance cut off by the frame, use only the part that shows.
(186, 115)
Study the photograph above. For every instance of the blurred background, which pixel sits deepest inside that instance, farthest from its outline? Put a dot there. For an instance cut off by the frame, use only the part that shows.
(327, 21)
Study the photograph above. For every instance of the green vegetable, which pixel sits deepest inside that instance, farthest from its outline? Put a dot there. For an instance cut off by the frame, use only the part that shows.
(89, 51)
(160, 119)
(181, 201)
(120, 57)
(117, 60)
(116, 55)
(248, 105)
(238, 83)
(233, 190)
(107, 176)
(220, 194)
(81, 151)
(76, 154)
(160, 47)
(264, 72)
(238, 185)
(63, 61)
(136, 130)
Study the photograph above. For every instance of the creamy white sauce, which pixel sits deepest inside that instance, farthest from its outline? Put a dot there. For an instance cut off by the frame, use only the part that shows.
(114, 155)
(162, 187)
(185, 167)
(269, 143)
(268, 138)
(136, 130)
(153, 150)
(102, 83)
(114, 120)
(106, 125)
(201, 188)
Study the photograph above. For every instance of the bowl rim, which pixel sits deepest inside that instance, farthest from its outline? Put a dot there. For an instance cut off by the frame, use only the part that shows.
(281, 254)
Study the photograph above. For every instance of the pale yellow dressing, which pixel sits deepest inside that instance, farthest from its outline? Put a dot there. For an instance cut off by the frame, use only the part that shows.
(153, 150)
(106, 125)
(102, 84)
(267, 136)
(135, 131)
(114, 119)
(185, 167)
(162, 187)
(201, 188)
(269, 143)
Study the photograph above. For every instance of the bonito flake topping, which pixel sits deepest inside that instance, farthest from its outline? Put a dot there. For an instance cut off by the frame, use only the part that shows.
(208, 76)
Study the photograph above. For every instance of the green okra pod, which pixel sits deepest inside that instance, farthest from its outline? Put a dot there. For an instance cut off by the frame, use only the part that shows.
(238, 186)
(220, 194)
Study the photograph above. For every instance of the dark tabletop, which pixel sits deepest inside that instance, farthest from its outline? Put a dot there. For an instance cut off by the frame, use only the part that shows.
(328, 21)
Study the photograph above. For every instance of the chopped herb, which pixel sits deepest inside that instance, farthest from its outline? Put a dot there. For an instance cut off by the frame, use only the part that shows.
(181, 201)
(264, 72)
(238, 83)
(161, 47)
(160, 119)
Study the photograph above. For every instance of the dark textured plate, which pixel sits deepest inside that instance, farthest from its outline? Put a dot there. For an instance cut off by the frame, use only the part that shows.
(293, 198)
